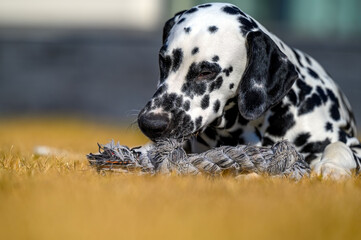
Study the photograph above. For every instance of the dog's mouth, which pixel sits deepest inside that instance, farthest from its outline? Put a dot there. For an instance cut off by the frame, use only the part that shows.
(179, 136)
(159, 124)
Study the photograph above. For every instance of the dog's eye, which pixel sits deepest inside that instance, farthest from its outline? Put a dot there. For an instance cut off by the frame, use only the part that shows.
(206, 75)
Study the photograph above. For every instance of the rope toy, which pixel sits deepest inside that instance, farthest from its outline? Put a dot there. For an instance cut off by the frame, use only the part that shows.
(166, 156)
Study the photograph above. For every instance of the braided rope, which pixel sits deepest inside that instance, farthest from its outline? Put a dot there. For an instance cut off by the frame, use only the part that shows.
(281, 159)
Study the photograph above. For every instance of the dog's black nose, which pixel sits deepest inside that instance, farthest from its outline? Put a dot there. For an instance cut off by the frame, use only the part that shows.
(153, 125)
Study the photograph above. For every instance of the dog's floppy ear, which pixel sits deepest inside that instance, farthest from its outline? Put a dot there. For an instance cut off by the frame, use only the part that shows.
(169, 24)
(268, 77)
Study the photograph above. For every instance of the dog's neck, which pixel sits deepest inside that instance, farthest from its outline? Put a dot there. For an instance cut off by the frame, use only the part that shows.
(230, 116)
(230, 129)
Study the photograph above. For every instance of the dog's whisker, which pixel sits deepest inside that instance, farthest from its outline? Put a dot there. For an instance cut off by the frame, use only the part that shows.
(133, 112)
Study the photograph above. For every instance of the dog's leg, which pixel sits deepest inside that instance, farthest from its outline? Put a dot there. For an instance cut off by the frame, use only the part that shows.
(338, 160)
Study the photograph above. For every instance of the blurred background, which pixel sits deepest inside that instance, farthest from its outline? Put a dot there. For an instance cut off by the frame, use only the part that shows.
(98, 59)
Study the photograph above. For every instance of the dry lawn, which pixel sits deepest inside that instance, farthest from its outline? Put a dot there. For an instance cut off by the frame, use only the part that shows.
(61, 197)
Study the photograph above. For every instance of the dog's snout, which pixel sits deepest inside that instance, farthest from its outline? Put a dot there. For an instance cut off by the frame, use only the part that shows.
(153, 125)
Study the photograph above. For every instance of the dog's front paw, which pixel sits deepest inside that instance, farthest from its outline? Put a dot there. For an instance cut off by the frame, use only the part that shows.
(329, 170)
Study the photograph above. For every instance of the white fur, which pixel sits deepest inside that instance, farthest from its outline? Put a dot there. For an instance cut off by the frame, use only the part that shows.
(336, 162)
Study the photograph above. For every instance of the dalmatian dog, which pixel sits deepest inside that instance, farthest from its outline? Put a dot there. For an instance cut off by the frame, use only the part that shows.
(226, 80)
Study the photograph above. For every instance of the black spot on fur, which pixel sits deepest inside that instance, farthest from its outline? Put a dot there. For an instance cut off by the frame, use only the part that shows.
(301, 139)
(334, 109)
(205, 5)
(205, 102)
(177, 59)
(312, 73)
(192, 10)
(298, 57)
(164, 66)
(355, 146)
(179, 101)
(292, 97)
(194, 88)
(322, 94)
(182, 20)
(335, 113)
(195, 50)
(231, 86)
(333, 97)
(227, 141)
(310, 157)
(232, 10)
(308, 60)
(242, 120)
(186, 123)
(230, 116)
(187, 29)
(216, 106)
(342, 136)
(227, 71)
(215, 58)
(210, 132)
(266, 141)
(309, 104)
(329, 127)
(183, 125)
(349, 129)
(212, 29)
(216, 122)
(199, 122)
(247, 25)
(237, 135)
(304, 90)
(186, 105)
(315, 147)
(168, 101)
(217, 84)
(280, 121)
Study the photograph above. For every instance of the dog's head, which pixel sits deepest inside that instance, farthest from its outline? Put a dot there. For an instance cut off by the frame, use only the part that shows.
(210, 54)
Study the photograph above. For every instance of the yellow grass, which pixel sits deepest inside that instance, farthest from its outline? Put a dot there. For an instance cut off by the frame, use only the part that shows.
(61, 197)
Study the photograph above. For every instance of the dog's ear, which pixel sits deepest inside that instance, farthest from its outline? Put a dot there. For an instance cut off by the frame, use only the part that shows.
(169, 24)
(268, 76)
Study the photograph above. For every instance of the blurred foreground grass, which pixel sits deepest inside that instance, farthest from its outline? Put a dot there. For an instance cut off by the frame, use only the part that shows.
(63, 198)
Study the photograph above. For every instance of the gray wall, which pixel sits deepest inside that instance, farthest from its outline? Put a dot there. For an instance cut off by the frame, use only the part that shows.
(109, 75)
(96, 74)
